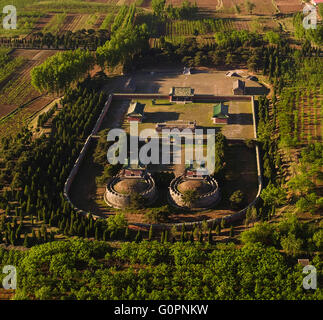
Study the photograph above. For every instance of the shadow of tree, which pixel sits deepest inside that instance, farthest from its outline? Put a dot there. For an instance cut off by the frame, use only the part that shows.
(156, 117)
(240, 118)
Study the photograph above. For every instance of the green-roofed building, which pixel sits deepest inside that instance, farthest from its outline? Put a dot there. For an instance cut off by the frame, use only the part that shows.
(220, 114)
(136, 111)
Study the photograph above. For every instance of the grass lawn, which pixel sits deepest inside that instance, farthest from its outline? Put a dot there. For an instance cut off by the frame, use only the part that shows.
(240, 123)
(164, 111)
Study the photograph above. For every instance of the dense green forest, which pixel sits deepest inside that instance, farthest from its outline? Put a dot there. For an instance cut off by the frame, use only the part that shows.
(79, 269)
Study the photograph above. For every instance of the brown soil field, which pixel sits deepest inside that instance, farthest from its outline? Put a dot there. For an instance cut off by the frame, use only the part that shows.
(5, 109)
(42, 22)
(289, 6)
(71, 22)
(99, 22)
(262, 7)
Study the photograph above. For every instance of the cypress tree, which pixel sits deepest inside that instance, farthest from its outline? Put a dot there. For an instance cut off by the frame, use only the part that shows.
(166, 236)
(105, 235)
(210, 236)
(231, 231)
(217, 230)
(96, 235)
(126, 234)
(45, 236)
(26, 242)
(52, 236)
(33, 235)
(7, 237)
(182, 236)
(38, 235)
(138, 237)
(12, 238)
(66, 229)
(150, 235)
(201, 237)
(222, 223)
(162, 237)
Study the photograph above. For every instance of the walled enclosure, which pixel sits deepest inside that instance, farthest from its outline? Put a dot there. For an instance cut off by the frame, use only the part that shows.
(231, 218)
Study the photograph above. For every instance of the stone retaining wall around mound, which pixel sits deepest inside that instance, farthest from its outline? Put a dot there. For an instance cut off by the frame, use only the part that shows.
(204, 201)
(119, 200)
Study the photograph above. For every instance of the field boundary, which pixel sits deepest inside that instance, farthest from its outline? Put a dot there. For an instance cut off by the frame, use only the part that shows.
(13, 112)
(230, 218)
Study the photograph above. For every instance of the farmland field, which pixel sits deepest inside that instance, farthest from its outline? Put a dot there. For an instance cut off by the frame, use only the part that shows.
(305, 107)
(18, 90)
(289, 6)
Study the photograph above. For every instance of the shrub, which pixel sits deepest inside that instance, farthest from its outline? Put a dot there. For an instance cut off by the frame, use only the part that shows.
(291, 245)
(236, 199)
(157, 215)
(261, 232)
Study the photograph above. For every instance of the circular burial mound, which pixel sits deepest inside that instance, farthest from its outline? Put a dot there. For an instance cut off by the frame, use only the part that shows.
(199, 185)
(129, 186)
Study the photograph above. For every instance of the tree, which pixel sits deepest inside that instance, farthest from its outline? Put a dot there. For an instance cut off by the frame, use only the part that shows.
(261, 232)
(291, 245)
(236, 199)
(210, 239)
(162, 237)
(61, 70)
(117, 222)
(126, 234)
(158, 7)
(217, 230)
(26, 242)
(137, 201)
(123, 46)
(273, 196)
(249, 6)
(229, 59)
(272, 37)
(166, 236)
(231, 231)
(318, 239)
(307, 203)
(222, 223)
(190, 197)
(150, 236)
(138, 237)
